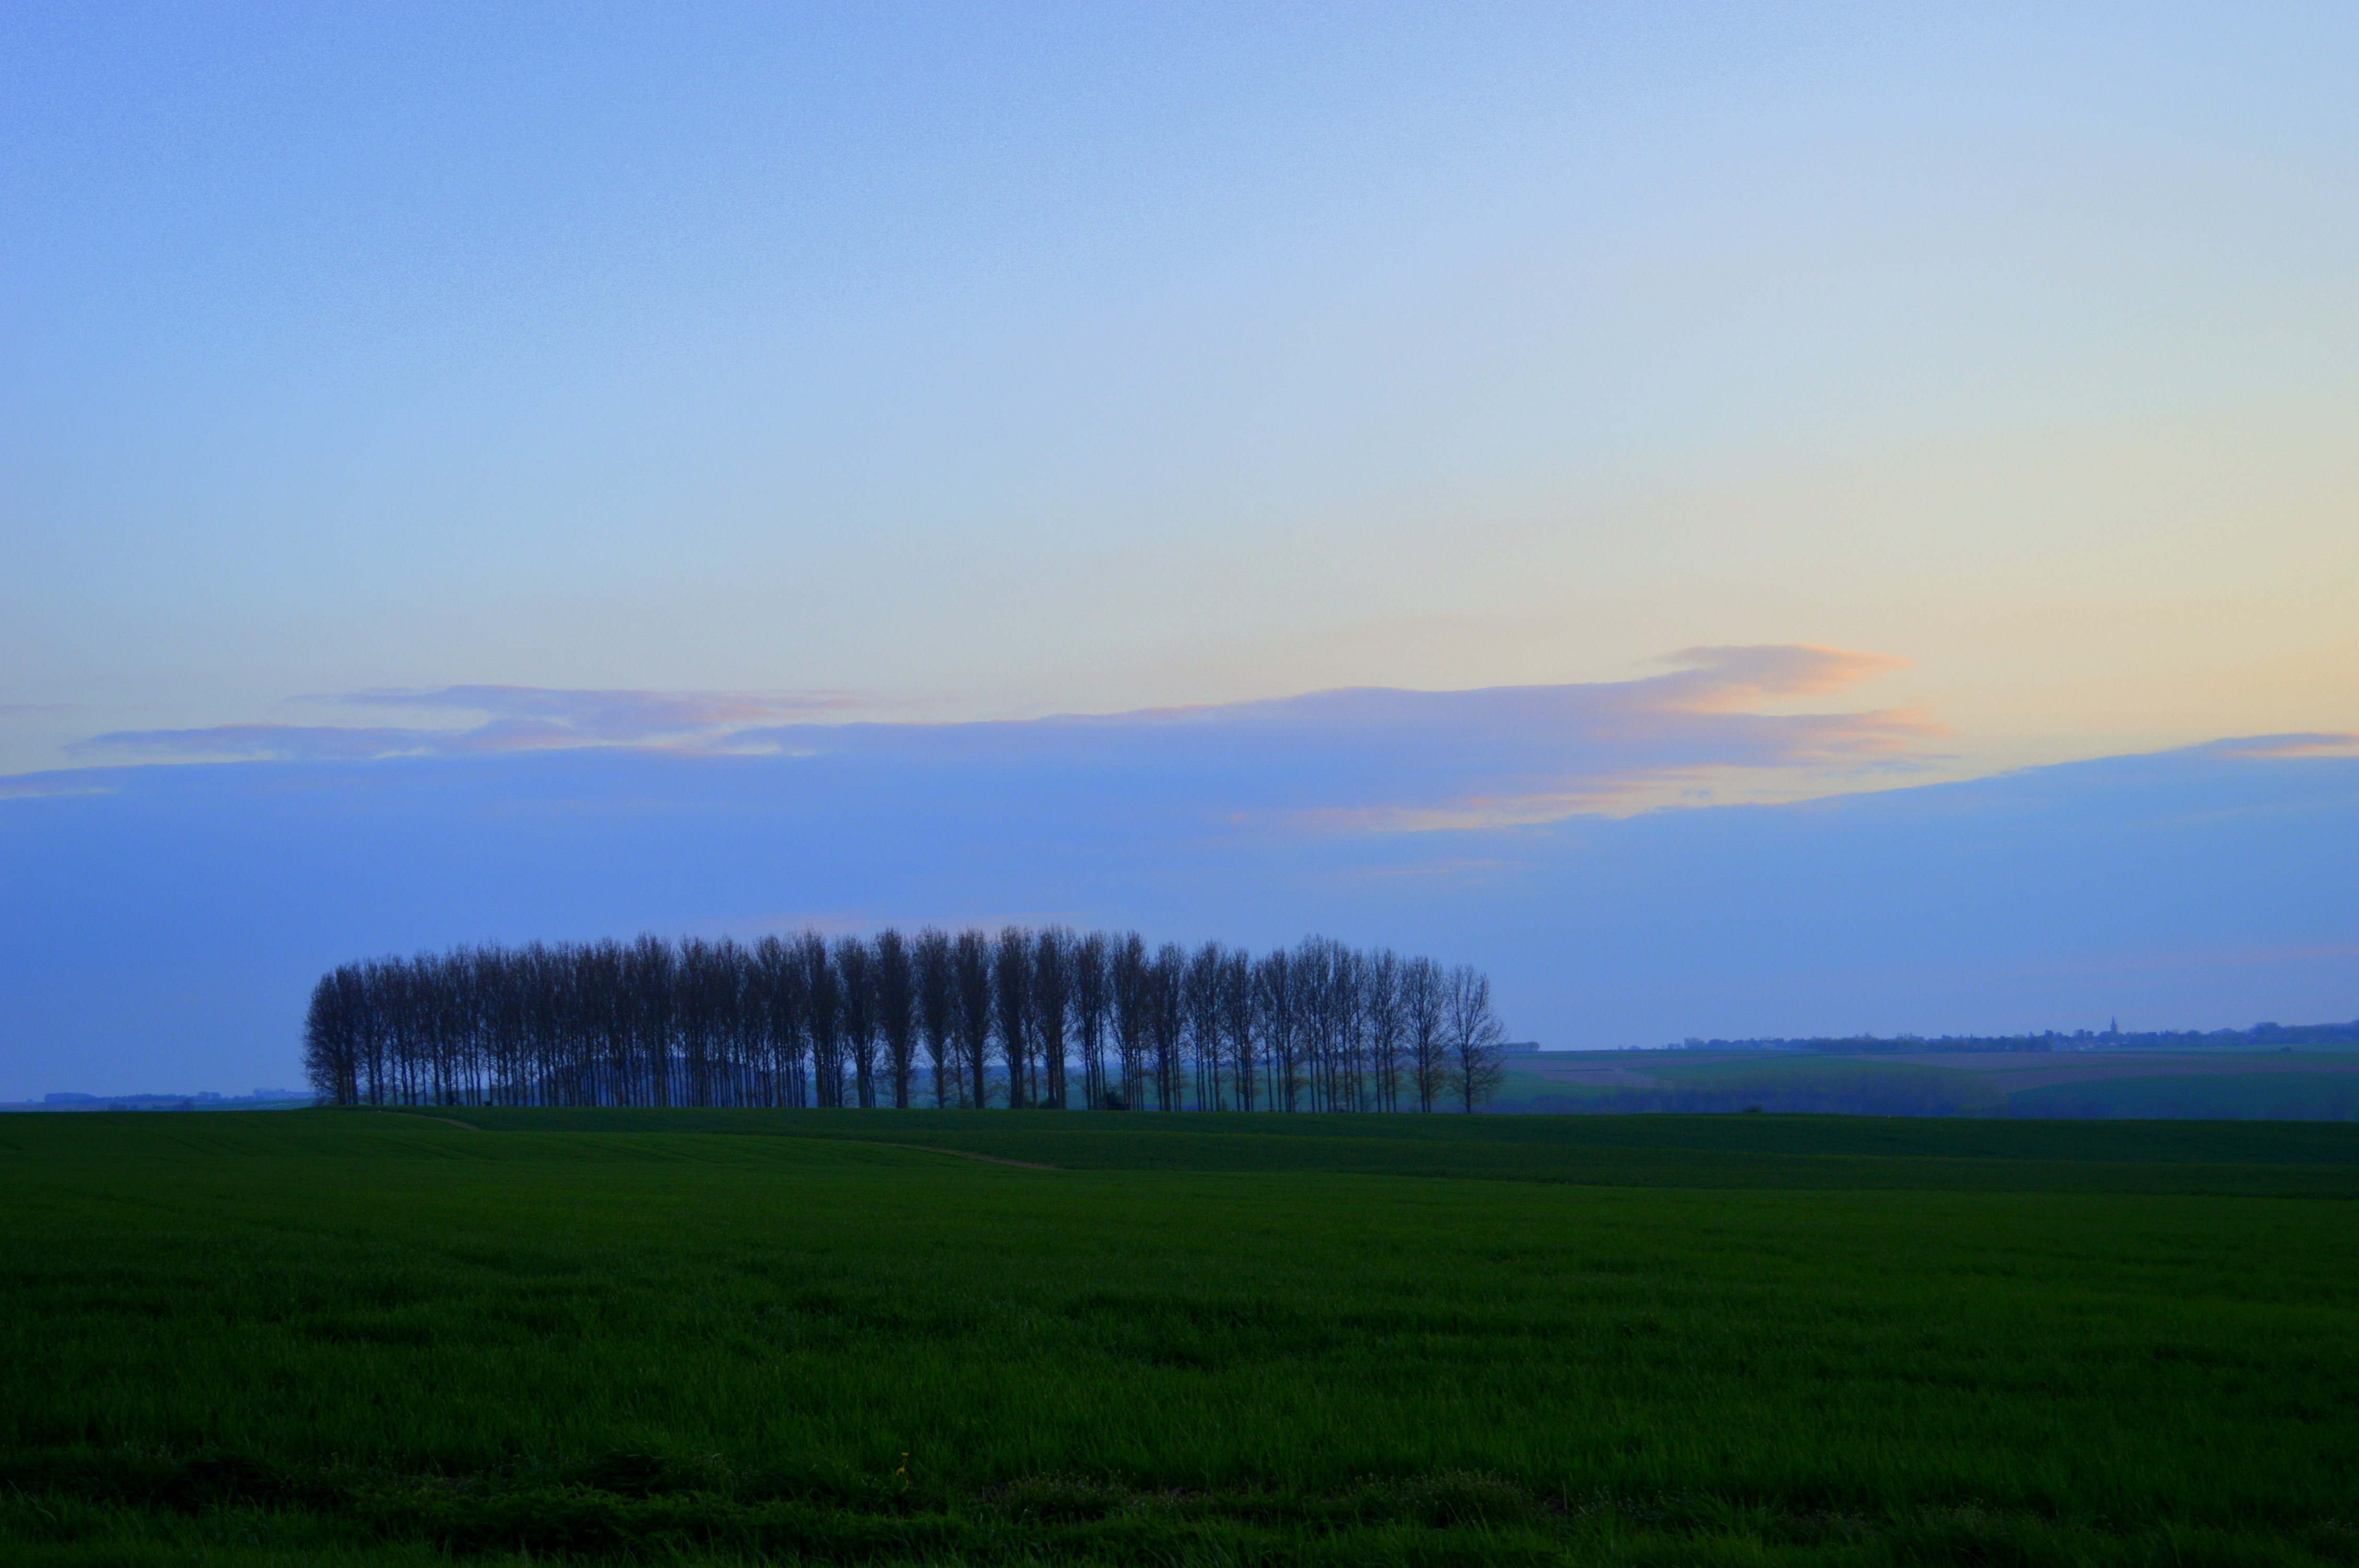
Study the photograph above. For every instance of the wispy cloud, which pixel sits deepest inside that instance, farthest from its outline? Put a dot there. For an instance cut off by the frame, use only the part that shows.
(1721, 680)
(1353, 759)
(2330, 743)
(275, 743)
(524, 717)
(1410, 760)
(511, 718)
(2190, 887)
(39, 788)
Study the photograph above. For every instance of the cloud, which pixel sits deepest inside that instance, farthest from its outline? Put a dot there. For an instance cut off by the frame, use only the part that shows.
(609, 718)
(515, 719)
(271, 743)
(151, 917)
(1354, 759)
(1716, 680)
(39, 788)
(1394, 758)
(2331, 743)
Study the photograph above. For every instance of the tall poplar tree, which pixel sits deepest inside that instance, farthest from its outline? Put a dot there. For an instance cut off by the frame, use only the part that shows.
(897, 1010)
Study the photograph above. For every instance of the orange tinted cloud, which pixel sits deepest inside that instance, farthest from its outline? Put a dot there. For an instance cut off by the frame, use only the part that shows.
(1717, 680)
(2329, 744)
(1357, 759)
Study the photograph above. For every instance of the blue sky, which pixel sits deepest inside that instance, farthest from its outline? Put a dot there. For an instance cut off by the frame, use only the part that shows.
(1633, 413)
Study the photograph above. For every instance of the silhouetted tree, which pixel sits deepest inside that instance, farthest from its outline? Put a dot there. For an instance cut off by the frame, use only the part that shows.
(1278, 1022)
(1422, 1004)
(794, 1021)
(897, 1010)
(1166, 978)
(1206, 1035)
(938, 1013)
(1476, 1066)
(1132, 988)
(1052, 1003)
(785, 993)
(855, 981)
(970, 977)
(1092, 1006)
(1380, 1005)
(822, 1019)
(1237, 1019)
(1011, 986)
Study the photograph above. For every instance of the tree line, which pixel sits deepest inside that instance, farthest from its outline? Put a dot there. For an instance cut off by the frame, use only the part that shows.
(1044, 1018)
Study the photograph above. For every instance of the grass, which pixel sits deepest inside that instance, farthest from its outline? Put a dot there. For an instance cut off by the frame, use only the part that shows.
(1845, 1152)
(2240, 1084)
(733, 1336)
(2273, 1095)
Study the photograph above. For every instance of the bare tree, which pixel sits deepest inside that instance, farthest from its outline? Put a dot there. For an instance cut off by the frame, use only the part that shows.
(855, 980)
(652, 986)
(1133, 1009)
(1318, 990)
(971, 983)
(1476, 1066)
(823, 1017)
(693, 1011)
(784, 991)
(1167, 979)
(1277, 1021)
(897, 1010)
(601, 999)
(787, 1023)
(1092, 1003)
(938, 1011)
(1237, 1020)
(1206, 1035)
(332, 1027)
(1328, 1001)
(1011, 985)
(1380, 1003)
(1052, 1002)
(1422, 1010)
(737, 1033)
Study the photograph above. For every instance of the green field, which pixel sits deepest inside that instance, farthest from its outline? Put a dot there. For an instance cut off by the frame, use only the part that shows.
(687, 1336)
(2311, 1084)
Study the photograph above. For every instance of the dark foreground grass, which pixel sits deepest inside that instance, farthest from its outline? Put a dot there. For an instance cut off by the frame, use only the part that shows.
(352, 1337)
(1846, 1153)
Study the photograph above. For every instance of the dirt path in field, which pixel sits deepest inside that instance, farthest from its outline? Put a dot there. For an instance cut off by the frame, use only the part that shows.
(445, 1121)
(963, 1154)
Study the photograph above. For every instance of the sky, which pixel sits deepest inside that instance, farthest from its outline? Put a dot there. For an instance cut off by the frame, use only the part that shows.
(1192, 465)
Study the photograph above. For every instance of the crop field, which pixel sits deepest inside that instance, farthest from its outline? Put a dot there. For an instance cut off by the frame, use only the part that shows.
(2308, 1084)
(724, 1337)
